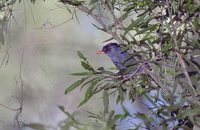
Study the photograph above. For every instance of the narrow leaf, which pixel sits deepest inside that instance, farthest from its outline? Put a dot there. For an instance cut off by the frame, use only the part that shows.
(86, 66)
(82, 74)
(74, 85)
(81, 56)
(105, 101)
(150, 28)
(68, 114)
(89, 93)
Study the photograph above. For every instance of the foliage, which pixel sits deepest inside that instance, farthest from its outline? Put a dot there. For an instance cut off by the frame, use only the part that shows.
(166, 35)
(5, 16)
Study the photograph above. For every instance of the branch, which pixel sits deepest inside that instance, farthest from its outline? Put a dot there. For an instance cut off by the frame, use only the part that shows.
(99, 20)
(179, 57)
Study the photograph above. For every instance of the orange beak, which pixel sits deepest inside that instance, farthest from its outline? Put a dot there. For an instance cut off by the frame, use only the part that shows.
(100, 52)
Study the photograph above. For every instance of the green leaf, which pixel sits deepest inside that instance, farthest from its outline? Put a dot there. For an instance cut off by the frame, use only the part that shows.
(35, 126)
(125, 15)
(130, 7)
(81, 56)
(74, 85)
(134, 24)
(111, 115)
(68, 114)
(105, 101)
(124, 38)
(144, 117)
(118, 117)
(89, 92)
(12, 2)
(73, 3)
(89, 81)
(92, 2)
(121, 95)
(82, 74)
(110, 123)
(86, 66)
(33, 1)
(189, 113)
(99, 28)
(150, 28)
(167, 47)
(126, 113)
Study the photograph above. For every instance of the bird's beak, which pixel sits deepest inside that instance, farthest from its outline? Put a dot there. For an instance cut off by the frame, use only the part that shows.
(100, 52)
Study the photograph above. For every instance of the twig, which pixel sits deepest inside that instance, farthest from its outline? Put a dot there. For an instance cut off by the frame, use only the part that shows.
(156, 79)
(129, 76)
(99, 20)
(179, 57)
(4, 58)
(21, 98)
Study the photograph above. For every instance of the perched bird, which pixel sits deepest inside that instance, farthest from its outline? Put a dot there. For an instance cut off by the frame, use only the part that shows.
(121, 59)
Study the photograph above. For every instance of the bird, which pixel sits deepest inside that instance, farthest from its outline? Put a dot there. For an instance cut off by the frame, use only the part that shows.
(122, 59)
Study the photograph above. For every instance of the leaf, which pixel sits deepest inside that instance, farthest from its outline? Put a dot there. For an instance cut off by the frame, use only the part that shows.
(33, 1)
(99, 28)
(73, 3)
(167, 47)
(68, 114)
(125, 15)
(89, 92)
(110, 123)
(144, 117)
(120, 97)
(87, 82)
(189, 113)
(150, 28)
(81, 74)
(36, 126)
(108, 39)
(151, 7)
(126, 113)
(130, 7)
(3, 25)
(105, 101)
(74, 85)
(81, 56)
(92, 2)
(111, 115)
(124, 38)
(118, 117)
(12, 2)
(134, 24)
(86, 66)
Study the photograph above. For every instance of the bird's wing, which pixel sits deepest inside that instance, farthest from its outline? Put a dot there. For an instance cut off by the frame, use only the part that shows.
(119, 65)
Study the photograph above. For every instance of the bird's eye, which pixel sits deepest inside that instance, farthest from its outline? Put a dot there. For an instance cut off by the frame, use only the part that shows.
(106, 49)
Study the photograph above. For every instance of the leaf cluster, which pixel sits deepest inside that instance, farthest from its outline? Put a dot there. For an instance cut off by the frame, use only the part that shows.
(166, 36)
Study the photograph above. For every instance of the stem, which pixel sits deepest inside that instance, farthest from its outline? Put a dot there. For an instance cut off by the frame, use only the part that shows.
(99, 20)
(179, 57)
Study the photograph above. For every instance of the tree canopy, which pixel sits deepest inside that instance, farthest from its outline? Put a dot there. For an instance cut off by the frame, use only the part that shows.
(166, 36)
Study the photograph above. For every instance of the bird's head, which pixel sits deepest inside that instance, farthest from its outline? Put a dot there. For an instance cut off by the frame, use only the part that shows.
(117, 55)
(110, 49)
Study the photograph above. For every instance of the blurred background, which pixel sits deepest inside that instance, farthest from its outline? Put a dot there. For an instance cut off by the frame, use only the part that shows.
(45, 53)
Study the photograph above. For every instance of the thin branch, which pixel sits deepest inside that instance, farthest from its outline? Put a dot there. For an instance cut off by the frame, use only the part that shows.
(179, 57)
(4, 58)
(99, 20)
